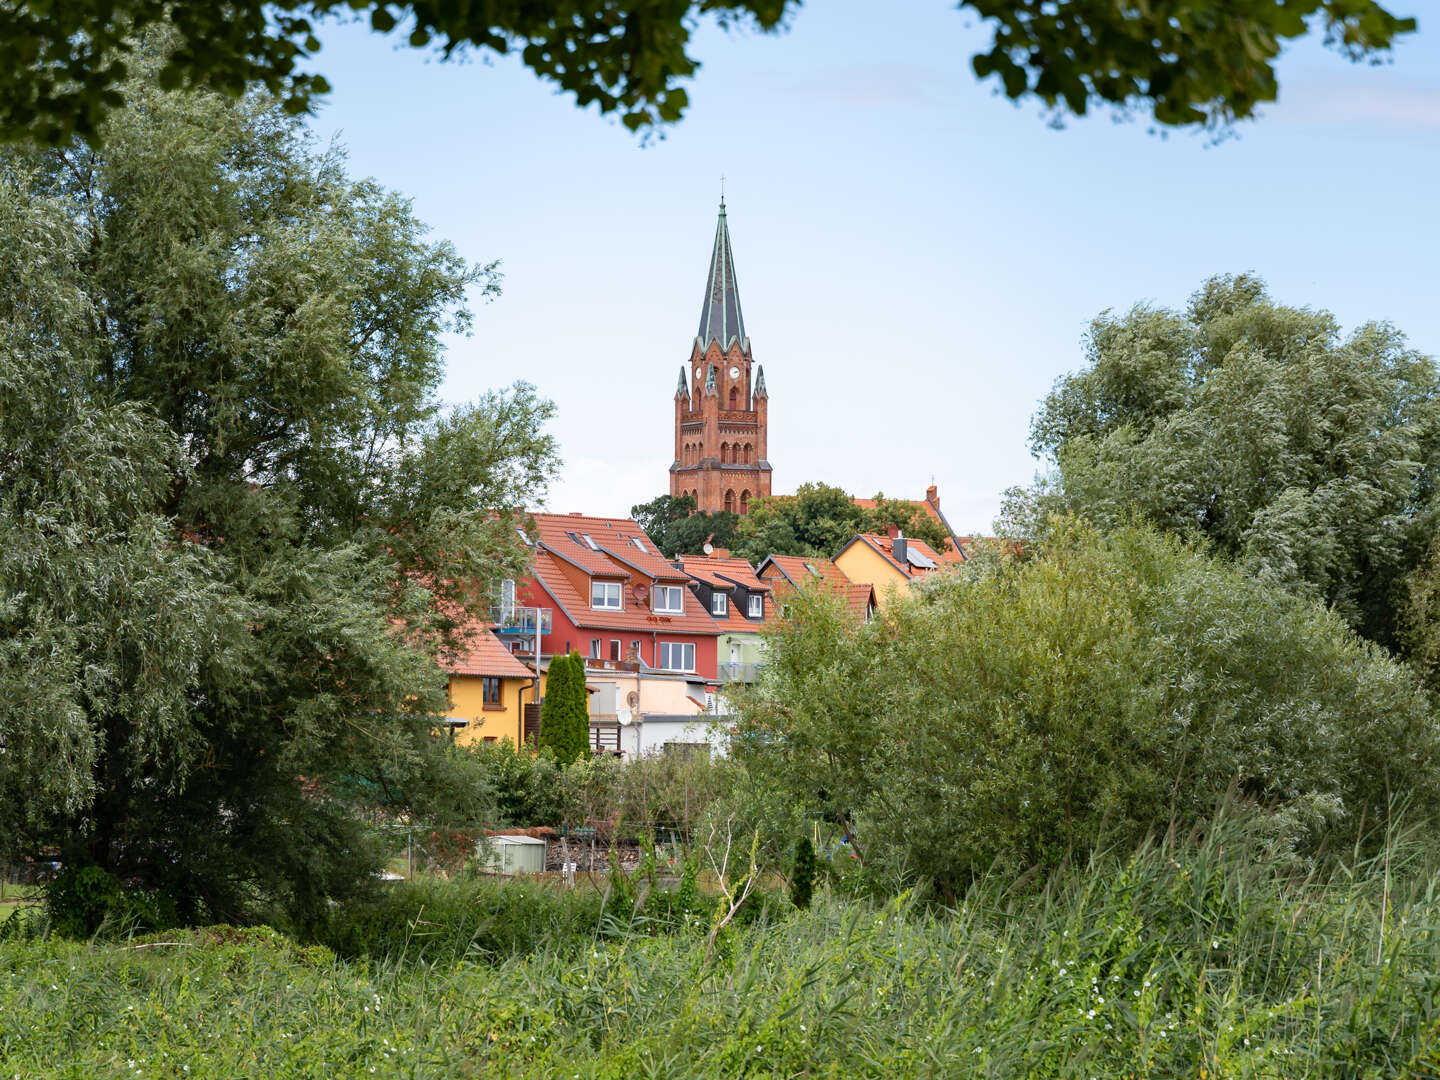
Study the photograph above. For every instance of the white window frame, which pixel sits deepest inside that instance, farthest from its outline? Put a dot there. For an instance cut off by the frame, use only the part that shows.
(719, 603)
(602, 589)
(757, 606)
(667, 655)
(667, 591)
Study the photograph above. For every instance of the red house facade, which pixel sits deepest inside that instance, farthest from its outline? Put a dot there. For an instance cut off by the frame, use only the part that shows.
(614, 599)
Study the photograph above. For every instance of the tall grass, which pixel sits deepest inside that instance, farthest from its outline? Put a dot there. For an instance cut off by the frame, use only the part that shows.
(1190, 958)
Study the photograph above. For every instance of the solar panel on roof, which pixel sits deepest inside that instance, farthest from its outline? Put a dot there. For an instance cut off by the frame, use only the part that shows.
(914, 558)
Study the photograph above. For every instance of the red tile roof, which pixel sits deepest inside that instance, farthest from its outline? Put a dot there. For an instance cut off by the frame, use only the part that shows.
(620, 546)
(635, 613)
(723, 572)
(929, 506)
(799, 571)
(485, 654)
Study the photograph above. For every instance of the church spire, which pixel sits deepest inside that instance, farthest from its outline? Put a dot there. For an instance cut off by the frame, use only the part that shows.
(720, 315)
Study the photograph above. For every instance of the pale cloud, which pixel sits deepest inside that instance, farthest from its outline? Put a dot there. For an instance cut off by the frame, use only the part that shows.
(1394, 106)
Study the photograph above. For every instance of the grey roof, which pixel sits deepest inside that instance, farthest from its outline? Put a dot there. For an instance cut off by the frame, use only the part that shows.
(720, 318)
(760, 381)
(682, 390)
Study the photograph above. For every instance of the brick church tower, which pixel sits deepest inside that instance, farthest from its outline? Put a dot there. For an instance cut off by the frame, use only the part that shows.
(720, 413)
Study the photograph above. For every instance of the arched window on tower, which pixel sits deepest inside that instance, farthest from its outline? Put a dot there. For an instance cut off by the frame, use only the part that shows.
(734, 397)
(745, 502)
(730, 502)
(749, 450)
(724, 453)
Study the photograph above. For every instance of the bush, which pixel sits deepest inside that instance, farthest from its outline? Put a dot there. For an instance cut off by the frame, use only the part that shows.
(1020, 714)
(80, 901)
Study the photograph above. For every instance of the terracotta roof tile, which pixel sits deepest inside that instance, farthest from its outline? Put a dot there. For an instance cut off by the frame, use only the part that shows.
(620, 545)
(799, 571)
(485, 654)
(635, 613)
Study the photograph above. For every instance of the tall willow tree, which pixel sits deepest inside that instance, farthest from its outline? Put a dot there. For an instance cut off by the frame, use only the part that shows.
(1309, 456)
(236, 528)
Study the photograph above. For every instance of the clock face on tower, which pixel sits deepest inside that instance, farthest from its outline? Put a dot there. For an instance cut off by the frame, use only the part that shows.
(697, 371)
(734, 373)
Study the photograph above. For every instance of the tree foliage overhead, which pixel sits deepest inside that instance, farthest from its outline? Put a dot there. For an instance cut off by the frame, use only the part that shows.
(1020, 713)
(1310, 456)
(1186, 61)
(677, 528)
(235, 526)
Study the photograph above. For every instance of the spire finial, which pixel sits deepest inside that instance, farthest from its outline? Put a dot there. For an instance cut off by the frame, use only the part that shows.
(722, 191)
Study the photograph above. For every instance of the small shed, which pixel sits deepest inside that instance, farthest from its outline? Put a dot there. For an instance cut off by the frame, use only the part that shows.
(511, 854)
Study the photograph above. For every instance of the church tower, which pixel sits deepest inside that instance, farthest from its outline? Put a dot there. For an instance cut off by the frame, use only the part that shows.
(721, 406)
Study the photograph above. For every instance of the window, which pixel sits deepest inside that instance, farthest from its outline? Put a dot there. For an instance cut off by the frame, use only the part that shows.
(677, 656)
(590, 542)
(605, 594)
(638, 543)
(668, 598)
(635, 649)
(757, 607)
(614, 648)
(595, 648)
(719, 603)
(492, 693)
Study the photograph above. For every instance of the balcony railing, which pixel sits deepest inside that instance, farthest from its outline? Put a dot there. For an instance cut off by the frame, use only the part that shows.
(515, 619)
(729, 673)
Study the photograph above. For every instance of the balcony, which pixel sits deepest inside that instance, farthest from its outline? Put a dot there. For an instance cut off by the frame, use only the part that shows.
(514, 619)
(743, 673)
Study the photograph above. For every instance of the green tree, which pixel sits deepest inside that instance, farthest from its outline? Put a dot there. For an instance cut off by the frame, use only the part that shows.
(679, 529)
(1186, 61)
(1309, 456)
(565, 713)
(1019, 714)
(817, 520)
(237, 527)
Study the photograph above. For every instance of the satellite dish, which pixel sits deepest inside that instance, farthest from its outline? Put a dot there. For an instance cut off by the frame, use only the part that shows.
(709, 549)
(641, 593)
(632, 699)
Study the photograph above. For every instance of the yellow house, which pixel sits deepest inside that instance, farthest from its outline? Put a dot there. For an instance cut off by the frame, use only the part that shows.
(889, 563)
(487, 684)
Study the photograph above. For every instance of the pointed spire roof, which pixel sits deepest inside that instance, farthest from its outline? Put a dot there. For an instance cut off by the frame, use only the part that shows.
(760, 381)
(682, 389)
(720, 318)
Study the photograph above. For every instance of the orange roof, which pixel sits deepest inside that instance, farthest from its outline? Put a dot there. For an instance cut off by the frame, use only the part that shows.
(798, 571)
(485, 654)
(885, 546)
(634, 613)
(929, 506)
(606, 547)
(723, 572)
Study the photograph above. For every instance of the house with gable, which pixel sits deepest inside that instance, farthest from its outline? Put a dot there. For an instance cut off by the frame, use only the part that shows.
(888, 563)
(787, 573)
(742, 606)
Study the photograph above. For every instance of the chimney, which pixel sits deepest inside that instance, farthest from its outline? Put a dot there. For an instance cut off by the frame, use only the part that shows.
(900, 548)
(932, 496)
(893, 531)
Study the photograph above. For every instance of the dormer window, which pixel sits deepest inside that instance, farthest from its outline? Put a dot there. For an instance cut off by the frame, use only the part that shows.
(757, 606)
(605, 595)
(719, 604)
(669, 599)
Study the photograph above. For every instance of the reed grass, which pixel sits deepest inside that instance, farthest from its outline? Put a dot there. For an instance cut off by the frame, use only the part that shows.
(1204, 956)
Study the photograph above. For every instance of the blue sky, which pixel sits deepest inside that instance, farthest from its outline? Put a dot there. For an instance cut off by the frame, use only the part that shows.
(917, 258)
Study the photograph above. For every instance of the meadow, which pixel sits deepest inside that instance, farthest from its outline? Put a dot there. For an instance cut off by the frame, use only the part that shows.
(1207, 956)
